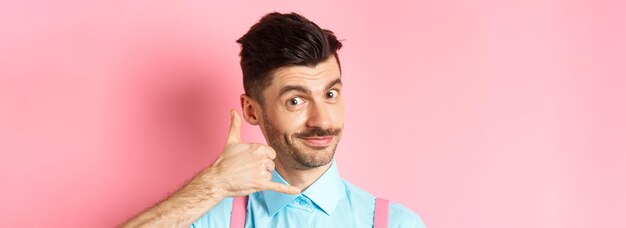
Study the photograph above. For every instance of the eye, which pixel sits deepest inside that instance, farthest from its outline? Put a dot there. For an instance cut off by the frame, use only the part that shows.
(295, 101)
(332, 94)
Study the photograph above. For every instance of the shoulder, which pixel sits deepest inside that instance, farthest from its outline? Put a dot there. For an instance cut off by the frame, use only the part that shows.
(359, 198)
(401, 216)
(218, 216)
(358, 193)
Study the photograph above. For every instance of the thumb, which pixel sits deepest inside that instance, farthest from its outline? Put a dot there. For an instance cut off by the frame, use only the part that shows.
(234, 135)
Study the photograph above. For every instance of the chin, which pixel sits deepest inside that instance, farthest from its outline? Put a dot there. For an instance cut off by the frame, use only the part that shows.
(313, 158)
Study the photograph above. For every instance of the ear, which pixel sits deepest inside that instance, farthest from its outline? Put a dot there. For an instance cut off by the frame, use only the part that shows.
(251, 109)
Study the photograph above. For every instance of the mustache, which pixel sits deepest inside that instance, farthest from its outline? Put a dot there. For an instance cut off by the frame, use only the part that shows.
(318, 132)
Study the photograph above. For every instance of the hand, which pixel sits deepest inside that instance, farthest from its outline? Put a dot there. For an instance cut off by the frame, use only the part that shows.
(245, 168)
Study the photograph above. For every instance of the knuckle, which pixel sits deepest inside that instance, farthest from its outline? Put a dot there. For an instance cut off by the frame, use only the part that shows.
(259, 148)
(266, 175)
(253, 146)
(258, 185)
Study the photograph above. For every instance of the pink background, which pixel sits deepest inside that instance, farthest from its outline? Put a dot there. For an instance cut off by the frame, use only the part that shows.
(471, 113)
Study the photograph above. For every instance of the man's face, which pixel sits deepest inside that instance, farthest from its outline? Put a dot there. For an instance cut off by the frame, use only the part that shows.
(303, 114)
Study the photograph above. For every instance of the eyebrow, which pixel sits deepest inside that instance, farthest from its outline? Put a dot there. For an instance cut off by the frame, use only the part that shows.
(302, 89)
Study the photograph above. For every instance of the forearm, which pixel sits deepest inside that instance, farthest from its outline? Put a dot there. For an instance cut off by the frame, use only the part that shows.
(185, 206)
(241, 169)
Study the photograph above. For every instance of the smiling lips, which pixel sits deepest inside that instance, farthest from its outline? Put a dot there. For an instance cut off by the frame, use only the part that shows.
(318, 142)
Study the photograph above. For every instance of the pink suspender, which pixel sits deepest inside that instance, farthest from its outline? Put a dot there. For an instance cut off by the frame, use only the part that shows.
(381, 213)
(238, 216)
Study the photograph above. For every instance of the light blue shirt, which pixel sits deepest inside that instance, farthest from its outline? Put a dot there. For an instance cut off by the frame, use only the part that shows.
(329, 202)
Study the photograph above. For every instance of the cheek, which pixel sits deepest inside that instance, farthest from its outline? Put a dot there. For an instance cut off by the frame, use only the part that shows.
(289, 122)
(338, 114)
(296, 122)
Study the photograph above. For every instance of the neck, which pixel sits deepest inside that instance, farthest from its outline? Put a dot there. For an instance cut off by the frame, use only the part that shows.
(300, 178)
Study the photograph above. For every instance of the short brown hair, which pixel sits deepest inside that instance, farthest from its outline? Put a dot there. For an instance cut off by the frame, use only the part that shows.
(279, 40)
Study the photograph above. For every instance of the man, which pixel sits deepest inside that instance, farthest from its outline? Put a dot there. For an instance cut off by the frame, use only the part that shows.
(293, 91)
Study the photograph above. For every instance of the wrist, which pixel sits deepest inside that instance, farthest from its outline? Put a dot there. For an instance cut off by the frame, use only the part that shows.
(213, 185)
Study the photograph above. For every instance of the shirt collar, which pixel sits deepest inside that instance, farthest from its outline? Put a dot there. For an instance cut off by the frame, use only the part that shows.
(326, 192)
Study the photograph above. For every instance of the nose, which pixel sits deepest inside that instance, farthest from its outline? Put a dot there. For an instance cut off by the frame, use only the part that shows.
(320, 116)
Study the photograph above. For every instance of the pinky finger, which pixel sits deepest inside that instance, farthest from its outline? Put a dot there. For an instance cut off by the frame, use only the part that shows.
(278, 187)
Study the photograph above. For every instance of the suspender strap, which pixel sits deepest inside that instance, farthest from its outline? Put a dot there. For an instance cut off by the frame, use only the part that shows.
(238, 215)
(381, 213)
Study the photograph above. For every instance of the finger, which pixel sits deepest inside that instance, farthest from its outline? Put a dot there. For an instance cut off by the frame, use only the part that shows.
(278, 187)
(269, 165)
(235, 128)
(271, 153)
(266, 151)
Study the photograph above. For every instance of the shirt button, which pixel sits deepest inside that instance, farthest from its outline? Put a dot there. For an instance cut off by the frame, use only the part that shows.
(303, 203)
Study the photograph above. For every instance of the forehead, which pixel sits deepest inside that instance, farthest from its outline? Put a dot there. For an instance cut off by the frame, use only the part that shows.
(312, 77)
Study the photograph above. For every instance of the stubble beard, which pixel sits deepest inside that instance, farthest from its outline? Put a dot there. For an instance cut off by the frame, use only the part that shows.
(298, 155)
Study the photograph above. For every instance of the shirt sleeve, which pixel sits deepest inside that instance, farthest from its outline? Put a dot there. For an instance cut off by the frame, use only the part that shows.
(402, 217)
